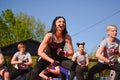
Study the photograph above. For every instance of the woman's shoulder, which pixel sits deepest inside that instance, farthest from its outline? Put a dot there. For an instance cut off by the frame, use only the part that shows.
(68, 36)
(48, 35)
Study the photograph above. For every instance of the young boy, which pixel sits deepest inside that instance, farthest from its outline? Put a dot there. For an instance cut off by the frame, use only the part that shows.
(106, 53)
(21, 60)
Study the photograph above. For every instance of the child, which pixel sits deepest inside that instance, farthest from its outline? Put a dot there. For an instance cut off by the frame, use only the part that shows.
(81, 57)
(3, 70)
(108, 49)
(21, 60)
(52, 72)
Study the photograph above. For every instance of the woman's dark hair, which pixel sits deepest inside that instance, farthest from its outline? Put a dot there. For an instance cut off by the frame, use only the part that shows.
(53, 28)
(83, 43)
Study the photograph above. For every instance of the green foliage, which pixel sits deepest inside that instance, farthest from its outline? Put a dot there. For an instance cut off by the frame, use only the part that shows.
(92, 56)
(14, 28)
(34, 58)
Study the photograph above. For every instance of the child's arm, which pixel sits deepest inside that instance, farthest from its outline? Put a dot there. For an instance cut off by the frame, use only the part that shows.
(56, 70)
(42, 75)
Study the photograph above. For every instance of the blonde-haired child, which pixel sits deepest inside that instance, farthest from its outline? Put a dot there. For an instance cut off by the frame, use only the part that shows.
(21, 60)
(109, 48)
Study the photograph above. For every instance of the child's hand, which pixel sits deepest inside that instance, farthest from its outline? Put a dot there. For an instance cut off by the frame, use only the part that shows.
(20, 62)
(111, 63)
(83, 65)
(49, 78)
(62, 53)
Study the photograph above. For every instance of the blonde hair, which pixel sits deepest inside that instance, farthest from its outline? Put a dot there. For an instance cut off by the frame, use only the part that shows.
(21, 45)
(110, 26)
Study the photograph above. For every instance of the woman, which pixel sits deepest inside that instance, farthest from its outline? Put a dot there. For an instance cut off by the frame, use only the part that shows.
(51, 49)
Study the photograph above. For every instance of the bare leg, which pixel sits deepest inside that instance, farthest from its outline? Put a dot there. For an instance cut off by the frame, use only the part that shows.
(6, 75)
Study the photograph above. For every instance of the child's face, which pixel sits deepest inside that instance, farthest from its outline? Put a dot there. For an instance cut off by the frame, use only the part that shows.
(81, 48)
(112, 32)
(22, 49)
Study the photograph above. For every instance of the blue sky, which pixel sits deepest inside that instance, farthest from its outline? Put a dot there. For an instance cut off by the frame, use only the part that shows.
(86, 19)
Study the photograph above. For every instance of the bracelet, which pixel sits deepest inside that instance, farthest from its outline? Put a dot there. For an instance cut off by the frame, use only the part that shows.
(65, 53)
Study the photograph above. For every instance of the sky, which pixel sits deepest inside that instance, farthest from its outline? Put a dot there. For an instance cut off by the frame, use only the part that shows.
(86, 19)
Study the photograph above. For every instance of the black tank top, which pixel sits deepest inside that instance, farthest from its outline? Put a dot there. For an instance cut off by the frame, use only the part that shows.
(52, 48)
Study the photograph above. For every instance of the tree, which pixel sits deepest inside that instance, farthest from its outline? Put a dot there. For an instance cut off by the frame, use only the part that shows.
(39, 31)
(7, 20)
(20, 27)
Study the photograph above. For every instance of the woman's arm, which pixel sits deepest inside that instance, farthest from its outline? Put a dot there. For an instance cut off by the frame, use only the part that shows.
(74, 58)
(69, 45)
(42, 75)
(100, 56)
(42, 47)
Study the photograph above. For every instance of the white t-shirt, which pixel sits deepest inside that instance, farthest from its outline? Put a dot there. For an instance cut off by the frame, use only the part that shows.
(22, 58)
(109, 48)
(81, 59)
